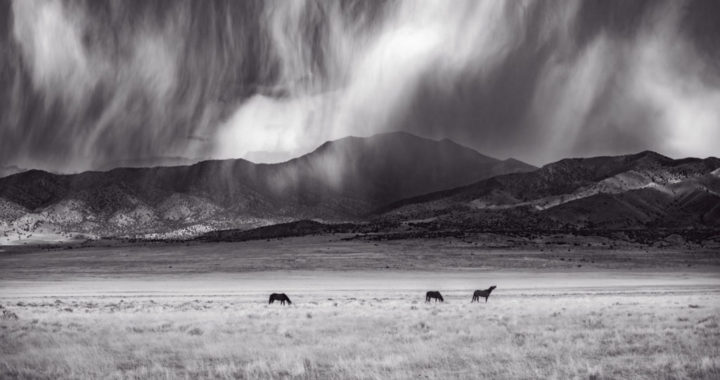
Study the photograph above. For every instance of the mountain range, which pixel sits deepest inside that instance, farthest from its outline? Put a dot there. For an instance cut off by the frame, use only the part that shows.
(394, 179)
(342, 180)
(644, 190)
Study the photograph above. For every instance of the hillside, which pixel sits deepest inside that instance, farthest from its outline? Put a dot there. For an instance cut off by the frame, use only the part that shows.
(341, 180)
(644, 190)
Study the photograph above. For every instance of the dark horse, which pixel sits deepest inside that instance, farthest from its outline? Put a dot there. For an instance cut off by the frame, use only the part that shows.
(482, 293)
(282, 297)
(433, 294)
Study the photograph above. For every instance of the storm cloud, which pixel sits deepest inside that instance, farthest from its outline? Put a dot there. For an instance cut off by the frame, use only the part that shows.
(96, 84)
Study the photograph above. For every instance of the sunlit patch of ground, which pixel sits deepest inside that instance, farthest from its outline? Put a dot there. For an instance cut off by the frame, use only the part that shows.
(357, 325)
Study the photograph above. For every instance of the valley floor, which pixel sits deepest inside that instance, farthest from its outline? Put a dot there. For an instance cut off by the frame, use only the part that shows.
(169, 311)
(484, 252)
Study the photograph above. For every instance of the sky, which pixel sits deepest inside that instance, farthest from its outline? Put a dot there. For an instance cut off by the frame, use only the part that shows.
(97, 84)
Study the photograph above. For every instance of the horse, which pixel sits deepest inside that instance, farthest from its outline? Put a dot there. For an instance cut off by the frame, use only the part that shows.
(433, 294)
(482, 293)
(282, 297)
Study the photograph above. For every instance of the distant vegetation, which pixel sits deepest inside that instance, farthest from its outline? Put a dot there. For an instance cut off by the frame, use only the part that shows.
(298, 228)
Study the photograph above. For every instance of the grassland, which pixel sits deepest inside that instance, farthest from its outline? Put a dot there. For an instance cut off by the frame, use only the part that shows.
(94, 313)
(487, 252)
(550, 332)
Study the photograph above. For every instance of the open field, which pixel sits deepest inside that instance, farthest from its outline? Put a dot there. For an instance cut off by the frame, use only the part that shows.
(486, 252)
(176, 311)
(364, 325)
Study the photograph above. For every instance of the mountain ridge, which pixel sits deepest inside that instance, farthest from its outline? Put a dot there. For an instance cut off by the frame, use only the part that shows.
(643, 190)
(340, 180)
(386, 180)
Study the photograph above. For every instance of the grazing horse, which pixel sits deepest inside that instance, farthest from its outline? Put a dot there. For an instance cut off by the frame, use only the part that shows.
(433, 295)
(482, 293)
(282, 297)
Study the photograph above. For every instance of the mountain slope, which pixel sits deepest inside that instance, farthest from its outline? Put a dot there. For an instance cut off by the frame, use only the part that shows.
(340, 180)
(640, 190)
(388, 167)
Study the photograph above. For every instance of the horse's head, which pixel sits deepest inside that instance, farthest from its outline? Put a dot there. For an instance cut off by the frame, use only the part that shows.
(492, 288)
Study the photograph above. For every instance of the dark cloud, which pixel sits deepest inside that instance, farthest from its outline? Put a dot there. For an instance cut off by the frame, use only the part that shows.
(95, 82)
(86, 84)
(615, 18)
(487, 110)
(700, 24)
(495, 113)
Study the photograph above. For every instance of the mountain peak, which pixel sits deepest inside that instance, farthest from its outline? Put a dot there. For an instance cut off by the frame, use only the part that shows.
(650, 155)
(398, 142)
(341, 180)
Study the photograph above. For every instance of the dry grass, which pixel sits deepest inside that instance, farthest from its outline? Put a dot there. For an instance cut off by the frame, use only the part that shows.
(323, 252)
(368, 335)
